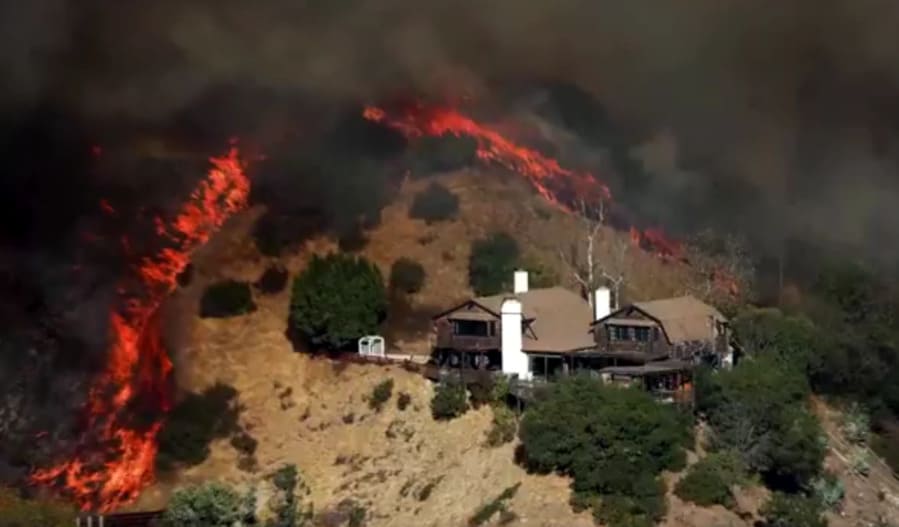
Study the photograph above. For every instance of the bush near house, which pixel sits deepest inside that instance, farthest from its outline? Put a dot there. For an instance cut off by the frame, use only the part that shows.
(407, 276)
(435, 203)
(207, 505)
(614, 443)
(336, 300)
(709, 481)
(492, 263)
(227, 299)
(450, 400)
(380, 395)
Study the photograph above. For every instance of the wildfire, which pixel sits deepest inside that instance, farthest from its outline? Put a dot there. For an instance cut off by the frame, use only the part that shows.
(115, 460)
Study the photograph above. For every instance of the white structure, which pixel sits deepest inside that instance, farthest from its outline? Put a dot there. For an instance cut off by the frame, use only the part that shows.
(515, 361)
(372, 346)
(602, 303)
(520, 282)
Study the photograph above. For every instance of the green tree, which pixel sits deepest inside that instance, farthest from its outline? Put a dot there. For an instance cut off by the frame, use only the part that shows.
(450, 400)
(758, 409)
(407, 275)
(612, 441)
(336, 300)
(792, 510)
(380, 394)
(435, 203)
(492, 263)
(206, 505)
(790, 339)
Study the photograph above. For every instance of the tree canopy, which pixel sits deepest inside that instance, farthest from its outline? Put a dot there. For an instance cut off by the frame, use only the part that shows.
(336, 300)
(492, 263)
(614, 442)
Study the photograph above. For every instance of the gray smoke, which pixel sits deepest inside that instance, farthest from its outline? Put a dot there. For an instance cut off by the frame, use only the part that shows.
(793, 100)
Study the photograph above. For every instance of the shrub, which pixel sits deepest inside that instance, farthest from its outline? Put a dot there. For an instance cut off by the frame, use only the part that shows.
(380, 395)
(206, 505)
(505, 425)
(829, 490)
(481, 389)
(227, 299)
(289, 512)
(407, 275)
(273, 280)
(403, 401)
(194, 423)
(792, 510)
(244, 443)
(19, 512)
(492, 263)
(337, 300)
(450, 401)
(709, 481)
(856, 424)
(612, 441)
(435, 203)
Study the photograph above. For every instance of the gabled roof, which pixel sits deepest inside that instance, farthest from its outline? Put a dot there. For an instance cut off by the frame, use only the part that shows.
(558, 319)
(684, 318)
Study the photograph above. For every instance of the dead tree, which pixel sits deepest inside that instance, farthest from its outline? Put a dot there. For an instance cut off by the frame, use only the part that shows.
(583, 258)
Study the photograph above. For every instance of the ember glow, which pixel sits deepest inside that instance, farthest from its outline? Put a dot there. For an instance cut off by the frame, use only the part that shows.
(116, 457)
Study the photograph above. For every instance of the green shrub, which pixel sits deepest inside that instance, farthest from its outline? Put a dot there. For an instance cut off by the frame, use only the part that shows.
(829, 490)
(403, 401)
(337, 300)
(481, 389)
(709, 481)
(193, 423)
(614, 443)
(227, 299)
(492, 263)
(407, 275)
(244, 443)
(207, 505)
(380, 395)
(435, 203)
(792, 510)
(289, 512)
(450, 401)
(19, 512)
(505, 425)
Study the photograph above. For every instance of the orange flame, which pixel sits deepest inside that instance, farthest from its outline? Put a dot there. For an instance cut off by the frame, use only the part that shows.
(116, 460)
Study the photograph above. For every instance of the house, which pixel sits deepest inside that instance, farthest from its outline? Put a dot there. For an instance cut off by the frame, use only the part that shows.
(539, 334)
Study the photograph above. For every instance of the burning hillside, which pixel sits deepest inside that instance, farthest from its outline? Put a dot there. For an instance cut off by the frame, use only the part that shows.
(129, 398)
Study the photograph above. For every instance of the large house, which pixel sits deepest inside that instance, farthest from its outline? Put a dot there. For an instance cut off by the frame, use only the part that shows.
(538, 334)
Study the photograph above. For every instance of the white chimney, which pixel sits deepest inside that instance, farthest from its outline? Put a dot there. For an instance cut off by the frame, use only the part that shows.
(602, 303)
(521, 282)
(515, 361)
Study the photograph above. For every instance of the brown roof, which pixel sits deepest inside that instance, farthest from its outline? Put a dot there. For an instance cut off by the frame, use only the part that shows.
(685, 318)
(560, 319)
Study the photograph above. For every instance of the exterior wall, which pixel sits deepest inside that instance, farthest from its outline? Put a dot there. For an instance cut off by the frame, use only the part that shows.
(605, 343)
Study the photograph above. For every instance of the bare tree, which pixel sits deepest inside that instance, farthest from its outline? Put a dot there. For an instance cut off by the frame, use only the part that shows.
(583, 257)
(723, 263)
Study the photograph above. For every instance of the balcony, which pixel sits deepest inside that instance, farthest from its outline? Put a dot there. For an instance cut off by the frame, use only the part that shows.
(447, 340)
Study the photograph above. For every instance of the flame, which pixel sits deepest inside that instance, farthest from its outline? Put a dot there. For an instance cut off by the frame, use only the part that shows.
(115, 460)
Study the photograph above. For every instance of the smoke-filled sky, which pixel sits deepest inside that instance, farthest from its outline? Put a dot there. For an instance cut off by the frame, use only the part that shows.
(795, 98)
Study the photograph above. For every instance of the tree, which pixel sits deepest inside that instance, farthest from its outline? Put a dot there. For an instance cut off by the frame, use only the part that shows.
(207, 505)
(588, 268)
(758, 409)
(336, 300)
(492, 263)
(614, 442)
(450, 400)
(435, 203)
(788, 338)
(709, 481)
(407, 275)
(723, 263)
(289, 512)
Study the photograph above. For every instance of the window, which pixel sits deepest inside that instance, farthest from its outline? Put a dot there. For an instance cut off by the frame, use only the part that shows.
(619, 333)
(642, 334)
(471, 328)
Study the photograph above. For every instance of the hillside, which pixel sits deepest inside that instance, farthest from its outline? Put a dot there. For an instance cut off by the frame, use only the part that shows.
(403, 467)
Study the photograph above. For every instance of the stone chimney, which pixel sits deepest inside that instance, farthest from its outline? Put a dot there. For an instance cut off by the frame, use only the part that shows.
(520, 282)
(602, 303)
